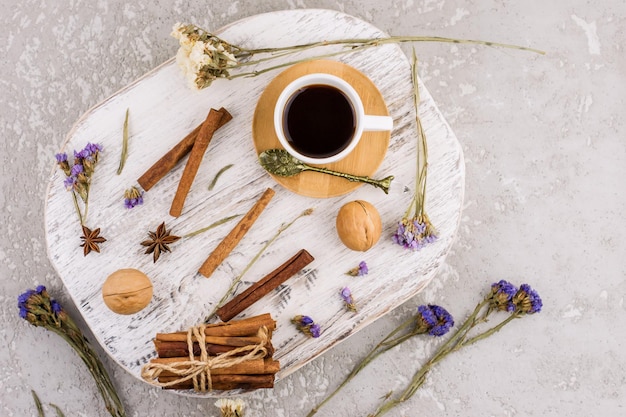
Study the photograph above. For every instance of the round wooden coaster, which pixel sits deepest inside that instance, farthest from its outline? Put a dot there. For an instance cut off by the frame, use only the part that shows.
(363, 160)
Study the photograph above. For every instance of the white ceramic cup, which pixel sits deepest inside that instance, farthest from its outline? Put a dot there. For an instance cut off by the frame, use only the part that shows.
(362, 121)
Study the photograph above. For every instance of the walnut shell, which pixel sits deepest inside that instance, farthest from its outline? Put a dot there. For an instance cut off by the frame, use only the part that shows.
(358, 225)
(127, 291)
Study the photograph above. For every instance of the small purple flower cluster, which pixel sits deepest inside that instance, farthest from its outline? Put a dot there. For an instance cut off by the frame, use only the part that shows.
(434, 320)
(78, 175)
(346, 296)
(307, 326)
(133, 197)
(528, 300)
(507, 297)
(33, 304)
(360, 270)
(414, 233)
(503, 293)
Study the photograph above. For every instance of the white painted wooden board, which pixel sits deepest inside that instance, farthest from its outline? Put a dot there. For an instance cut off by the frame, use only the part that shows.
(162, 110)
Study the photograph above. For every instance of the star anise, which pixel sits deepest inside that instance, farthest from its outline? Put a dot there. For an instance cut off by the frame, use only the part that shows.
(91, 240)
(159, 241)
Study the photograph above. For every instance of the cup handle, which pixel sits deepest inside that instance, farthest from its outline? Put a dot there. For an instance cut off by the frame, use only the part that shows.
(377, 123)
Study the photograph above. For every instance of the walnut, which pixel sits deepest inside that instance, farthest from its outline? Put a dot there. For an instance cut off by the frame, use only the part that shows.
(127, 291)
(358, 225)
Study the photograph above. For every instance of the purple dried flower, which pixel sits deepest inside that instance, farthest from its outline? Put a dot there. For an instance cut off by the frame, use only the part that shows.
(434, 320)
(83, 156)
(133, 197)
(93, 148)
(502, 295)
(306, 325)
(346, 295)
(425, 318)
(77, 169)
(527, 300)
(90, 152)
(56, 307)
(61, 157)
(69, 182)
(444, 321)
(315, 330)
(23, 298)
(360, 270)
(414, 234)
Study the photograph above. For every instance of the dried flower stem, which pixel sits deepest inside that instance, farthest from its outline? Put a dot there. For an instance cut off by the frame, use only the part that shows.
(237, 280)
(81, 216)
(58, 410)
(105, 386)
(40, 310)
(419, 198)
(350, 45)
(389, 342)
(217, 176)
(124, 154)
(39, 406)
(37, 403)
(211, 226)
(457, 341)
(219, 57)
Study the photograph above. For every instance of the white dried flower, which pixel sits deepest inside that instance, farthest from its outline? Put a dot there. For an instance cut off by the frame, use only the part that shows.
(202, 57)
(230, 408)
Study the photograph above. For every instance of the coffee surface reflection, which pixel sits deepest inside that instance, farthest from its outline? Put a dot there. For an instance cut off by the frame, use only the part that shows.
(319, 121)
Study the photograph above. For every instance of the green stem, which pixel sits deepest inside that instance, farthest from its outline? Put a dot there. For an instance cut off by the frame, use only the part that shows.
(352, 45)
(217, 176)
(124, 153)
(77, 341)
(419, 201)
(390, 39)
(237, 280)
(491, 331)
(382, 347)
(80, 217)
(37, 403)
(211, 226)
(57, 409)
(420, 376)
(290, 63)
(416, 203)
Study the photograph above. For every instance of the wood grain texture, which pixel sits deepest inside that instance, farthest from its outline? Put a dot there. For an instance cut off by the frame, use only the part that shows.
(366, 157)
(162, 111)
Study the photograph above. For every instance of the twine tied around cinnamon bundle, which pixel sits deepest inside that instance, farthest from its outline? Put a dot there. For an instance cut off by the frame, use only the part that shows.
(199, 369)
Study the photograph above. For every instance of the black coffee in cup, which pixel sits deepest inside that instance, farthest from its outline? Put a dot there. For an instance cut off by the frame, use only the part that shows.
(319, 121)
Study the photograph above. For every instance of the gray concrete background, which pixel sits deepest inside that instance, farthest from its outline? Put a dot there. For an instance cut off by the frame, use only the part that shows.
(545, 154)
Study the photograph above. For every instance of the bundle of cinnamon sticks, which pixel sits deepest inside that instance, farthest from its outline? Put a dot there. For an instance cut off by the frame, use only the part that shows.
(230, 344)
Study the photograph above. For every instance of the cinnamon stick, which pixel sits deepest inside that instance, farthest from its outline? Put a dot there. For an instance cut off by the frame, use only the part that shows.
(181, 349)
(214, 340)
(227, 382)
(252, 367)
(245, 327)
(232, 239)
(168, 161)
(200, 146)
(270, 282)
